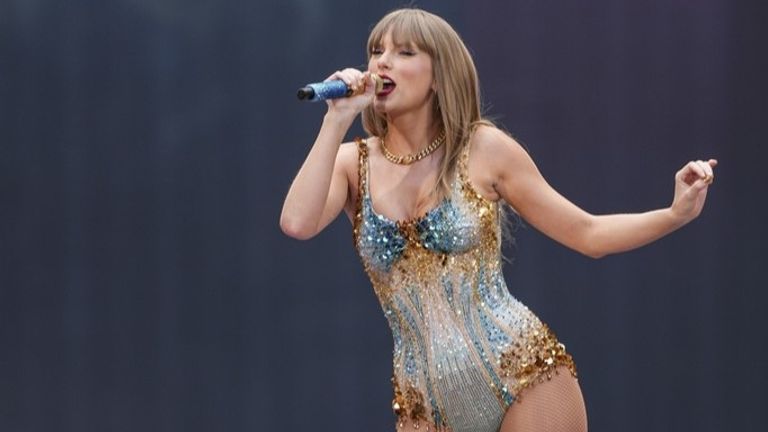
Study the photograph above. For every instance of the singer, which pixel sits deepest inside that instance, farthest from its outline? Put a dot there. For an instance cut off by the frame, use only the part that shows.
(425, 193)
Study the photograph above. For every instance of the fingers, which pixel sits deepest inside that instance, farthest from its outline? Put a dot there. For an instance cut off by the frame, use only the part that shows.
(359, 95)
(353, 78)
(698, 170)
(709, 172)
(365, 85)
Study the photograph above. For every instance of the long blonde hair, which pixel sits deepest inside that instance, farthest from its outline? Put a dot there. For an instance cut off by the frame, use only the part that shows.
(457, 106)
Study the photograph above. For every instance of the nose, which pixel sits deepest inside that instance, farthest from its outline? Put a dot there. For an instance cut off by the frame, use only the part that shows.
(383, 61)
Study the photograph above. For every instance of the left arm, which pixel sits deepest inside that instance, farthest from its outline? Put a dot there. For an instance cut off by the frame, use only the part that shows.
(616, 233)
(515, 178)
(622, 232)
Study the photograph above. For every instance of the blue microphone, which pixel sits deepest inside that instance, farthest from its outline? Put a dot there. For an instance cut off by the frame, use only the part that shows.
(333, 90)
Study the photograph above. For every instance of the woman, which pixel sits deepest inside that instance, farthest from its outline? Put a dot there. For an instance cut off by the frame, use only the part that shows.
(424, 195)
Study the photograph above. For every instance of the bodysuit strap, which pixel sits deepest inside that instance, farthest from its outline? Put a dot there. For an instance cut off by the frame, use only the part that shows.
(362, 183)
(462, 169)
(362, 167)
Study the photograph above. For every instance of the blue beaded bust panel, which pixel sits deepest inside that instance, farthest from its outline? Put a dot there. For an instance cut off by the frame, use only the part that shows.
(464, 347)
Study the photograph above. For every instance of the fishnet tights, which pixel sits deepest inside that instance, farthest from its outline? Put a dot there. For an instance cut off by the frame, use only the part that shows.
(552, 406)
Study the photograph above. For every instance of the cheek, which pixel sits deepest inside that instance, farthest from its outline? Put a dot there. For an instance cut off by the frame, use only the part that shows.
(428, 74)
(421, 76)
(428, 79)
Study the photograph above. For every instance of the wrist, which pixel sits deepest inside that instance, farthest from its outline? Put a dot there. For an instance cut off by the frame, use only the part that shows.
(677, 218)
(340, 119)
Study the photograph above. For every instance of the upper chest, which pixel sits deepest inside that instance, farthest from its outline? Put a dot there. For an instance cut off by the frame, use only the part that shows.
(404, 193)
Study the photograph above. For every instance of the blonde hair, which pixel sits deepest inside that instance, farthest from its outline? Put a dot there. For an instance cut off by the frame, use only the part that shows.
(457, 106)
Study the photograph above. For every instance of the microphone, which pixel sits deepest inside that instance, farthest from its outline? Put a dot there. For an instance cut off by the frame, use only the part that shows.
(333, 89)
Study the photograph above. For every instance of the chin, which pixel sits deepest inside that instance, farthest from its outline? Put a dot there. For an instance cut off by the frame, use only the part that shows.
(380, 106)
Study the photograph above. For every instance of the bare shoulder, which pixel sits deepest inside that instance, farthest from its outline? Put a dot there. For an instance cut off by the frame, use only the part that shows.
(492, 145)
(347, 152)
(346, 160)
(492, 153)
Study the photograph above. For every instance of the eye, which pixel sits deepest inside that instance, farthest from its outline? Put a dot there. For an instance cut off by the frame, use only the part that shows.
(408, 52)
(376, 51)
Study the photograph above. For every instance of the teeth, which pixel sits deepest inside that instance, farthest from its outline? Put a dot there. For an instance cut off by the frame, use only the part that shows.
(387, 85)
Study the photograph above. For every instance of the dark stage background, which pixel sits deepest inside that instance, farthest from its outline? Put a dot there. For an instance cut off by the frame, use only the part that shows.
(146, 147)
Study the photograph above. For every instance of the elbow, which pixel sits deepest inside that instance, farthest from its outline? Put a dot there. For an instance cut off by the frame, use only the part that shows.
(593, 253)
(590, 246)
(295, 229)
(593, 249)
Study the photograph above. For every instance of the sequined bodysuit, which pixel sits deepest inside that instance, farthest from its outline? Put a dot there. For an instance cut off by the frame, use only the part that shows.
(464, 347)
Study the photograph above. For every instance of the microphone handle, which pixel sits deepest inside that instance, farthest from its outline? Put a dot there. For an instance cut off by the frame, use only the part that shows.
(333, 89)
(325, 90)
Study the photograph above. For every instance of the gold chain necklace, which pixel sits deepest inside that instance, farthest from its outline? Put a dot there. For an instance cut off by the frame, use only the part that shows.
(411, 158)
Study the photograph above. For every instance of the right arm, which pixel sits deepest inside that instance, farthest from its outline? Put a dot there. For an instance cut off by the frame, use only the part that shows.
(321, 188)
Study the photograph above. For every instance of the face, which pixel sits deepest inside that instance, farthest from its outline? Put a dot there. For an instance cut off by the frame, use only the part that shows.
(407, 71)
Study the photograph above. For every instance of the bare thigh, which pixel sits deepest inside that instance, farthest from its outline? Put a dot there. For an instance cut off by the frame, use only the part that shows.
(552, 406)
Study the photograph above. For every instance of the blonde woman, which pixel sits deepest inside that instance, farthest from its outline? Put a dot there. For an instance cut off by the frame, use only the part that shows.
(424, 193)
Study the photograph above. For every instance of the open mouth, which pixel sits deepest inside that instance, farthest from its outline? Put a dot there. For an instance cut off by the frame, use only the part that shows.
(387, 86)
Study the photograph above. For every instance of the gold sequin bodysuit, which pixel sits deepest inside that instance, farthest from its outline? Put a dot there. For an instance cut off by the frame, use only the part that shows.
(464, 347)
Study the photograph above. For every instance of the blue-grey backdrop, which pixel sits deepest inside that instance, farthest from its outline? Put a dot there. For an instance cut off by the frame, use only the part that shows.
(146, 147)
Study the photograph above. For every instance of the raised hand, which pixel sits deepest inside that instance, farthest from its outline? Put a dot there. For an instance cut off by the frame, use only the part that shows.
(691, 185)
(362, 85)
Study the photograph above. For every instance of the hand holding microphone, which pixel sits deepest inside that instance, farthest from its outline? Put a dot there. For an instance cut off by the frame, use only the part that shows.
(340, 85)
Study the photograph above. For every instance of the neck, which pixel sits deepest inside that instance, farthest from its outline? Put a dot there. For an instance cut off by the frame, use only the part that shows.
(410, 133)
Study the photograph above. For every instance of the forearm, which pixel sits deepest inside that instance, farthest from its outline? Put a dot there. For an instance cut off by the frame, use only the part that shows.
(614, 233)
(306, 199)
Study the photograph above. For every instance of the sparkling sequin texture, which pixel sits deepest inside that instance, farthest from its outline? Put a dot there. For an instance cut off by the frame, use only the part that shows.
(464, 347)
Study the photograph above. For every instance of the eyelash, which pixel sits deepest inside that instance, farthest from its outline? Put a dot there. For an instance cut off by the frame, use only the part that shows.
(408, 53)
